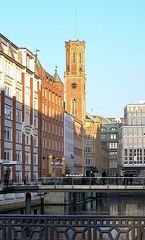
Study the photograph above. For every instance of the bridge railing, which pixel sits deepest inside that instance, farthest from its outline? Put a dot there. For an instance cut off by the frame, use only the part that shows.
(81, 181)
(72, 227)
(93, 181)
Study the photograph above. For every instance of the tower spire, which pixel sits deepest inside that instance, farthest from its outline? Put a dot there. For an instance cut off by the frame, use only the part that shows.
(75, 23)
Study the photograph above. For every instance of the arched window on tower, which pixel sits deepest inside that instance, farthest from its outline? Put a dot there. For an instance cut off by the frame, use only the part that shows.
(74, 57)
(74, 107)
(80, 55)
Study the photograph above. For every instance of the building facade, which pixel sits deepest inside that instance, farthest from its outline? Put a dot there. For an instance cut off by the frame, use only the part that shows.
(110, 136)
(75, 97)
(92, 144)
(69, 143)
(132, 140)
(31, 115)
(19, 84)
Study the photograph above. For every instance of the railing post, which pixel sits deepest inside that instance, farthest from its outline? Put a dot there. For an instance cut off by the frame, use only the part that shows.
(42, 203)
(139, 235)
(28, 203)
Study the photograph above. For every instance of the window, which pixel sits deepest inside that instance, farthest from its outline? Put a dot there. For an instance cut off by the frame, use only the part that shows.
(18, 95)
(18, 156)
(18, 115)
(80, 56)
(35, 159)
(27, 158)
(27, 113)
(74, 57)
(35, 141)
(35, 121)
(27, 138)
(8, 133)
(46, 93)
(74, 107)
(112, 145)
(35, 103)
(18, 136)
(8, 90)
(8, 111)
(113, 136)
(7, 154)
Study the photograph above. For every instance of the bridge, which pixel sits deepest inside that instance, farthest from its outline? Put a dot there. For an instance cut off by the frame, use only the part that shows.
(78, 184)
(90, 227)
(69, 227)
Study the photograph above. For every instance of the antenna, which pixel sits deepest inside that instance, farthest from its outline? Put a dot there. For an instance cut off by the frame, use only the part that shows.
(75, 23)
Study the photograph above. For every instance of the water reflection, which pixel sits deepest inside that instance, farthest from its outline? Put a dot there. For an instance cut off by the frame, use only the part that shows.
(105, 204)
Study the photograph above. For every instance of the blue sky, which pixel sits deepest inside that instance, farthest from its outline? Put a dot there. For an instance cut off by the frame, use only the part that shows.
(114, 32)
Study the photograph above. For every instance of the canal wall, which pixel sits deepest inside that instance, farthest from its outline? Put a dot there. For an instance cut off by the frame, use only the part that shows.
(66, 198)
(9, 202)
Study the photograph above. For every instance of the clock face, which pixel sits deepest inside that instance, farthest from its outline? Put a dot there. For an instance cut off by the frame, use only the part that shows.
(74, 85)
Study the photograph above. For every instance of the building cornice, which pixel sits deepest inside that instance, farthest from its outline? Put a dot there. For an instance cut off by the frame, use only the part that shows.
(11, 59)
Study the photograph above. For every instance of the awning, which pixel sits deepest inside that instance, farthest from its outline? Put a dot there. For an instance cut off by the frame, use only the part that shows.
(7, 162)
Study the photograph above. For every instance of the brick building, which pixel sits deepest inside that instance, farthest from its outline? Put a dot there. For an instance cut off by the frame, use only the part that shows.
(31, 114)
(75, 96)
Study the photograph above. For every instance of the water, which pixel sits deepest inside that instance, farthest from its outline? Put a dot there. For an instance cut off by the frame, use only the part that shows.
(115, 204)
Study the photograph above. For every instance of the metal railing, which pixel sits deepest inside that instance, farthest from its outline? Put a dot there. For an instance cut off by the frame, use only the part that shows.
(81, 180)
(92, 181)
(70, 227)
(54, 183)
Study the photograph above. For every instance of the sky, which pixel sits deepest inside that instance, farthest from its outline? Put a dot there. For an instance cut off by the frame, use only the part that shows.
(114, 32)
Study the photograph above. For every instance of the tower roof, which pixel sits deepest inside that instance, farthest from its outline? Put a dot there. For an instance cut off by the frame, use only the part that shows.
(56, 76)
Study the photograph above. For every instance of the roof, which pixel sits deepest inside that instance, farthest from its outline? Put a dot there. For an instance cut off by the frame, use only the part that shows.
(92, 118)
(56, 76)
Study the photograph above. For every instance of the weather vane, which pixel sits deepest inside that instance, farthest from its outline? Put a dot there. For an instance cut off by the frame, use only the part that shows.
(56, 67)
(36, 51)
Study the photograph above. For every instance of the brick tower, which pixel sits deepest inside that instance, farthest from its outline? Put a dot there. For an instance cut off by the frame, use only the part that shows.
(75, 79)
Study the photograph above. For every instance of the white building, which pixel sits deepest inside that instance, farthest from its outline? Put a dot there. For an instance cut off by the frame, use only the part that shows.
(132, 141)
(69, 142)
(19, 84)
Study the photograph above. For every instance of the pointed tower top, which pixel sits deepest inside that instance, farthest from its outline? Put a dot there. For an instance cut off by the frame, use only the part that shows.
(56, 76)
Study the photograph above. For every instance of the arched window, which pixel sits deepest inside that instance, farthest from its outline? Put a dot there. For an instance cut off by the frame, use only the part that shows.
(80, 55)
(74, 107)
(74, 57)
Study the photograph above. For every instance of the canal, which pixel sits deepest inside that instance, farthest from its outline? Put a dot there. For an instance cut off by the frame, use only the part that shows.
(105, 204)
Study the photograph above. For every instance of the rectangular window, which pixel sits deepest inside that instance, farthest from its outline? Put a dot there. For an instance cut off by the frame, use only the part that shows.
(35, 103)
(27, 138)
(35, 121)
(113, 136)
(8, 90)
(18, 115)
(18, 95)
(8, 111)
(35, 159)
(7, 154)
(8, 133)
(18, 156)
(27, 158)
(18, 136)
(35, 140)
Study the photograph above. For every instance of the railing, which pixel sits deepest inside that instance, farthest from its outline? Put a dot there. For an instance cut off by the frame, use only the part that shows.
(92, 181)
(16, 227)
(108, 181)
